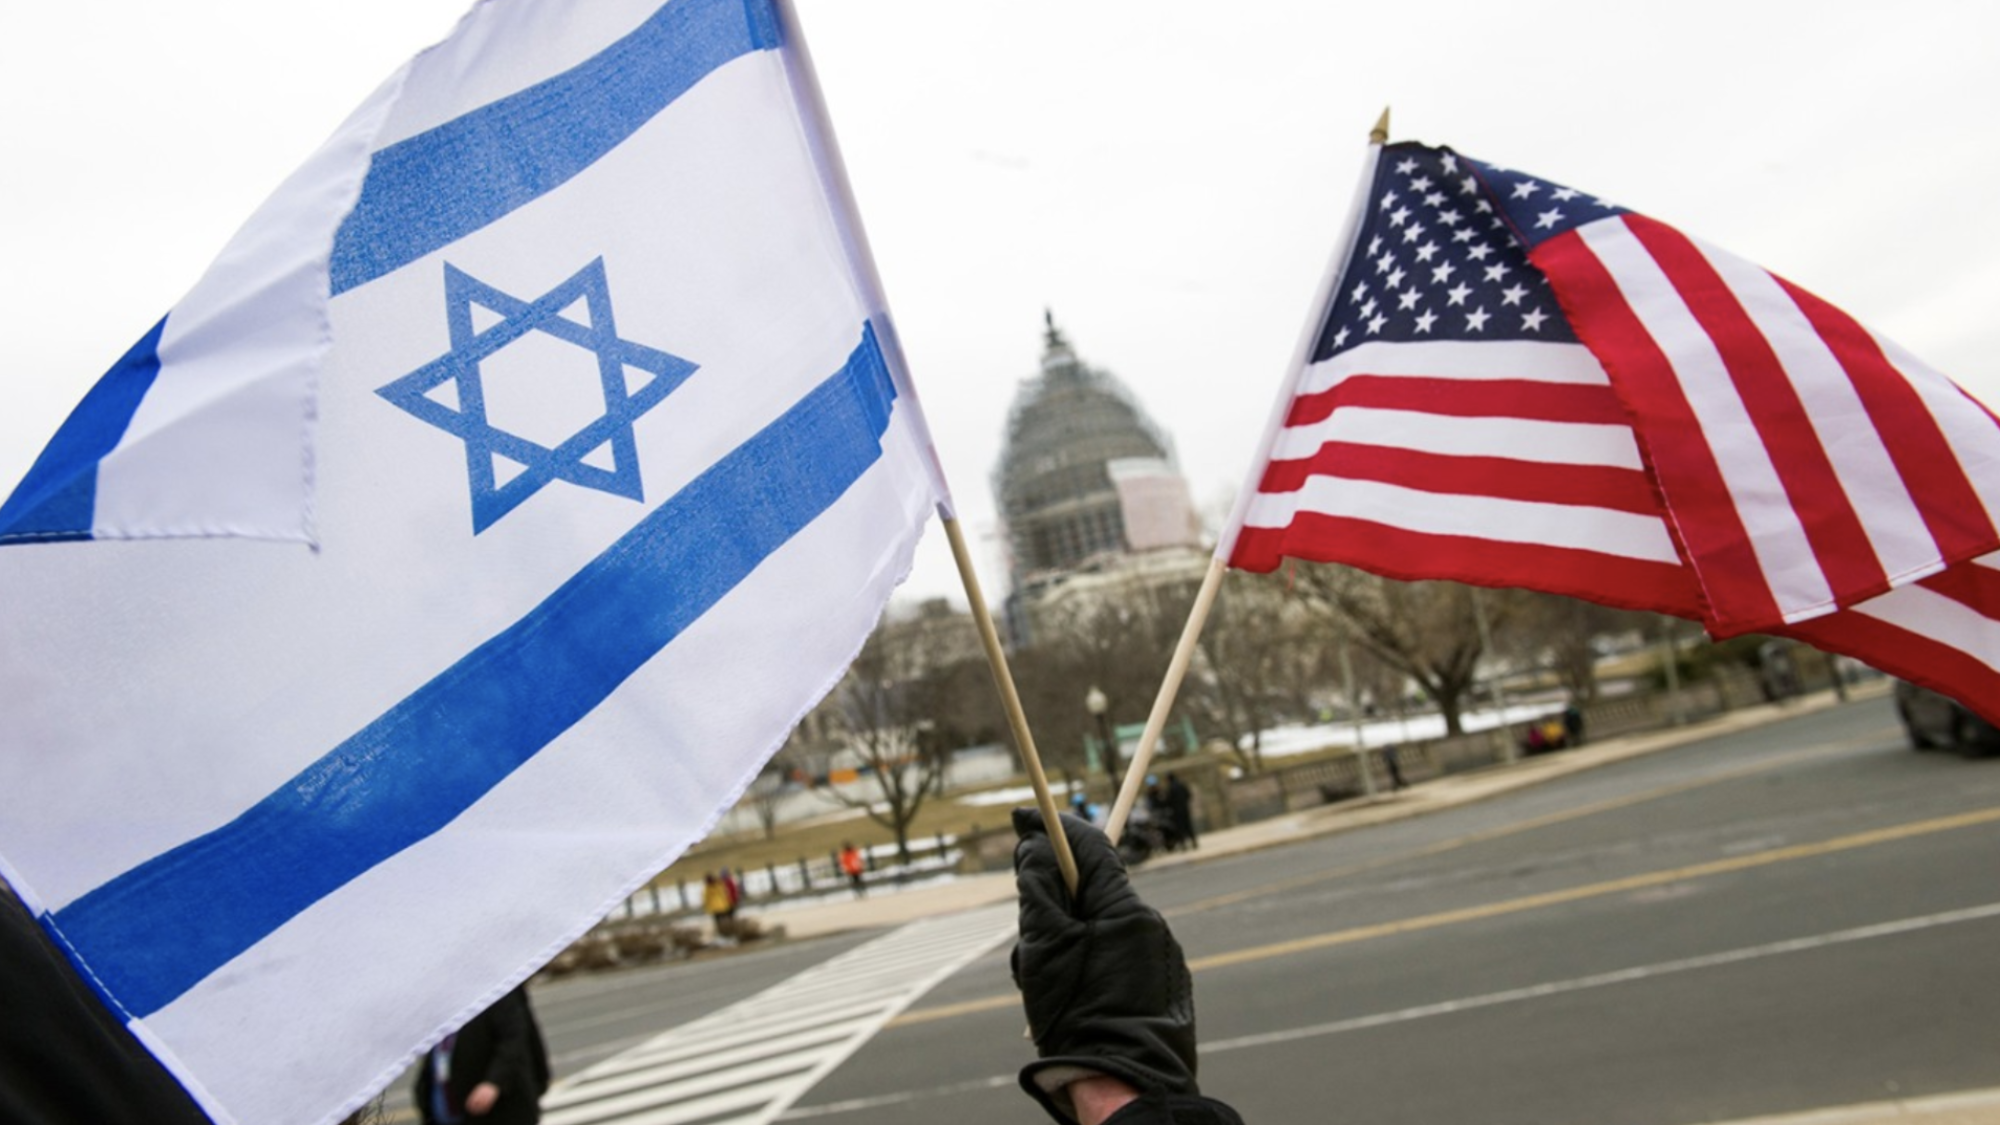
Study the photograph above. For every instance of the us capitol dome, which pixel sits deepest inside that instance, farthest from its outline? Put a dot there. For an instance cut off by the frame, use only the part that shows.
(1086, 481)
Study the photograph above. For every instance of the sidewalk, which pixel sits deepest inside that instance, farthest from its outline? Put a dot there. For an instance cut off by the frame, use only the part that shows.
(964, 893)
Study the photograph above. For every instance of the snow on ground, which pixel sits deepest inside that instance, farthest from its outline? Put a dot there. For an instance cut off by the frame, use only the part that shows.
(1283, 742)
(1017, 795)
(1287, 741)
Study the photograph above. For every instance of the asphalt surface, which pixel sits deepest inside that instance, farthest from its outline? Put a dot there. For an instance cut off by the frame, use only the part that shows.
(1788, 913)
(1679, 937)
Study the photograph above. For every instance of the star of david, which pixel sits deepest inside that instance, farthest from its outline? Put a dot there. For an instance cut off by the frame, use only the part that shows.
(627, 395)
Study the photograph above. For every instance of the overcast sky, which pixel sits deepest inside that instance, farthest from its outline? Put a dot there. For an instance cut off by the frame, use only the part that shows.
(1169, 177)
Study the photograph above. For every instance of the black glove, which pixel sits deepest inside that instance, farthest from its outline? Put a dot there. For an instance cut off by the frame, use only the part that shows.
(1103, 979)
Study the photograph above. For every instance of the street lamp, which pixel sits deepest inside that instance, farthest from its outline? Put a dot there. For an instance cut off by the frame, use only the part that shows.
(1097, 704)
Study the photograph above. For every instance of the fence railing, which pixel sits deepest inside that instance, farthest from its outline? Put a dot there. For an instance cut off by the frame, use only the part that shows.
(800, 877)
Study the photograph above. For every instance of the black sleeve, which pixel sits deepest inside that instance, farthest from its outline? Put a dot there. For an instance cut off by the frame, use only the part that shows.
(64, 1058)
(519, 1065)
(1174, 1109)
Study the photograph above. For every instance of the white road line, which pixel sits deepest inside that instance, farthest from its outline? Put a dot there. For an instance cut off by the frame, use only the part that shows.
(711, 1038)
(752, 1060)
(1620, 976)
(856, 1105)
(1955, 1109)
(729, 1056)
(684, 1082)
(1447, 1007)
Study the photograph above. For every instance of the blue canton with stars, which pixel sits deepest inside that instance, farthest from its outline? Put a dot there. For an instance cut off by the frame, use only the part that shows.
(1442, 254)
(627, 395)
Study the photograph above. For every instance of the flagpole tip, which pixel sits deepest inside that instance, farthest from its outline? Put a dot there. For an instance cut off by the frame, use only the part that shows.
(1380, 133)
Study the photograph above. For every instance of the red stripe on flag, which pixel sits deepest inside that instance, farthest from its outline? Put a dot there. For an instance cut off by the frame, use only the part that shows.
(1528, 399)
(1503, 478)
(1839, 543)
(1413, 556)
(1670, 439)
(1936, 663)
(1937, 482)
(1969, 584)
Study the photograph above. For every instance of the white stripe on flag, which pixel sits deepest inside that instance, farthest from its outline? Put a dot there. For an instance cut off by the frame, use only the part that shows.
(1938, 619)
(1500, 359)
(1874, 488)
(1483, 517)
(1561, 443)
(1784, 555)
(1967, 427)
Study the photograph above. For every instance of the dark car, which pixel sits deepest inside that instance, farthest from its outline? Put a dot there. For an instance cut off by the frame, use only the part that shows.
(1939, 720)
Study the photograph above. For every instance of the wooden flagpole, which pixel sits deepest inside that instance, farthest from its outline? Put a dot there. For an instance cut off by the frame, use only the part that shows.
(1017, 719)
(1204, 599)
(1163, 704)
(826, 155)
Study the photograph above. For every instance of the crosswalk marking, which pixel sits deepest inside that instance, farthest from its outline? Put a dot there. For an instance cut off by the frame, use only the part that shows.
(746, 1064)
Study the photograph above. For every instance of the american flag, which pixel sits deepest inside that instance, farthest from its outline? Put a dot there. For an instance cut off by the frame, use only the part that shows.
(1515, 383)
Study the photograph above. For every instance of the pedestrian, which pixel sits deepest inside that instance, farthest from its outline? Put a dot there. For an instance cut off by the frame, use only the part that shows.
(66, 1059)
(715, 900)
(1552, 734)
(1160, 814)
(854, 867)
(1180, 804)
(1572, 724)
(1109, 1000)
(735, 890)
(1395, 768)
(493, 1071)
(1143, 834)
(1083, 809)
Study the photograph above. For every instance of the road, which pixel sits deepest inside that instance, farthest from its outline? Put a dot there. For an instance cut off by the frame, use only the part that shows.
(1797, 916)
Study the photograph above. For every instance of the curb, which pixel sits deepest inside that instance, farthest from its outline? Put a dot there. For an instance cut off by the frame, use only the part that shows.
(1970, 1107)
(1502, 778)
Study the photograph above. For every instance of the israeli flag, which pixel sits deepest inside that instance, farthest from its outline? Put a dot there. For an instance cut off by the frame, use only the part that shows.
(521, 473)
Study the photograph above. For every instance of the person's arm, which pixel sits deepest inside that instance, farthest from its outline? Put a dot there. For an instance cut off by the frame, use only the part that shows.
(1109, 1000)
(507, 1072)
(64, 1057)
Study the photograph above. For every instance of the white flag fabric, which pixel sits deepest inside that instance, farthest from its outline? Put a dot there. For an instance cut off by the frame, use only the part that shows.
(567, 357)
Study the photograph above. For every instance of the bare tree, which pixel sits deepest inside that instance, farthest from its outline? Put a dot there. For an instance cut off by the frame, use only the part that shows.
(898, 774)
(1117, 640)
(909, 698)
(1562, 634)
(1379, 690)
(1262, 658)
(782, 776)
(1051, 679)
(1428, 631)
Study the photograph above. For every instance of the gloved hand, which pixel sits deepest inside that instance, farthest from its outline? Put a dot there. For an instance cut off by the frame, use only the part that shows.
(1103, 980)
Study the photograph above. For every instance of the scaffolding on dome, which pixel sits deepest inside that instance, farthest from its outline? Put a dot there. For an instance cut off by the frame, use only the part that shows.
(1054, 481)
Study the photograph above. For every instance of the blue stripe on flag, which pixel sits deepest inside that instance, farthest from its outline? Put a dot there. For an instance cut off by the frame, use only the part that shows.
(435, 188)
(58, 497)
(155, 931)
